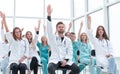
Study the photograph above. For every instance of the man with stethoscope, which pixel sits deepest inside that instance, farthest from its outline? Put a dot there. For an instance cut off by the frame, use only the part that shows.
(61, 48)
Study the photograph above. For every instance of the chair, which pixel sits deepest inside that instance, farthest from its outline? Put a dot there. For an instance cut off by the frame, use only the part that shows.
(98, 69)
(85, 70)
(40, 69)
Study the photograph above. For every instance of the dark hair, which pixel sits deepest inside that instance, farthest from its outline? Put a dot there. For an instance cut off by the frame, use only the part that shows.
(59, 23)
(67, 33)
(72, 33)
(104, 33)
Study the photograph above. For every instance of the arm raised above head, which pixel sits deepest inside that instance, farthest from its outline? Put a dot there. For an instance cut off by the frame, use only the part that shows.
(2, 15)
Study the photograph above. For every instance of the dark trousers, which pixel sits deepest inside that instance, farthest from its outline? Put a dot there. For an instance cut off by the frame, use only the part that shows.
(34, 65)
(52, 67)
(64, 71)
(15, 67)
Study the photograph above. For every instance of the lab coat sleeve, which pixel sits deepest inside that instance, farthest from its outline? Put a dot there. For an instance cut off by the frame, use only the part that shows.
(90, 36)
(51, 37)
(36, 38)
(9, 37)
(110, 49)
(2, 34)
(27, 48)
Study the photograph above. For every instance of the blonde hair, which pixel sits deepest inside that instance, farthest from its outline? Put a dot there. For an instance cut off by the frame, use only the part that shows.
(31, 40)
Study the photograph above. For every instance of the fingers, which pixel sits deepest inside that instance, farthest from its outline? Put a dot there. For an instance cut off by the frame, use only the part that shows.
(49, 9)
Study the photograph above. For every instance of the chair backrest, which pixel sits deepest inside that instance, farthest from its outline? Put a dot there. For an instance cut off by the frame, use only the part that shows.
(93, 53)
(78, 52)
(9, 53)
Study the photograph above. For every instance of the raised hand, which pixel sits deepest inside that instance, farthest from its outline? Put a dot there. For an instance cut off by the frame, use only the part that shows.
(81, 24)
(79, 32)
(70, 25)
(89, 22)
(49, 10)
(38, 27)
(39, 22)
(3, 22)
(2, 15)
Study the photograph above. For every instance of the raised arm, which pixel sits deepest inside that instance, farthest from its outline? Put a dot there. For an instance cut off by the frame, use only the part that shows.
(45, 32)
(51, 35)
(81, 25)
(38, 27)
(89, 22)
(70, 25)
(49, 23)
(37, 32)
(89, 31)
(2, 32)
(4, 21)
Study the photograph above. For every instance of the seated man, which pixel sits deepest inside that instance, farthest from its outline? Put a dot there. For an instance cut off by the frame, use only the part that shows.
(61, 48)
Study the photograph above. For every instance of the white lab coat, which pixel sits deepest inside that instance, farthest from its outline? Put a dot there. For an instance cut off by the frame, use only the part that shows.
(60, 50)
(4, 48)
(18, 49)
(32, 51)
(102, 48)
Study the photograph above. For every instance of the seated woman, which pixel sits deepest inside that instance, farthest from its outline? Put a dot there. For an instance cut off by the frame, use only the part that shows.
(4, 50)
(103, 48)
(19, 49)
(43, 49)
(33, 55)
(84, 48)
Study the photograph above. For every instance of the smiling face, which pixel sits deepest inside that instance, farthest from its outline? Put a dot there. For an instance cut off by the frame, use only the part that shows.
(100, 31)
(29, 35)
(84, 37)
(43, 39)
(17, 33)
(60, 27)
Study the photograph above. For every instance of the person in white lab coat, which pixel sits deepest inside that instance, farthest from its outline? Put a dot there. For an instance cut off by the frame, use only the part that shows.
(34, 57)
(61, 48)
(102, 46)
(4, 50)
(19, 48)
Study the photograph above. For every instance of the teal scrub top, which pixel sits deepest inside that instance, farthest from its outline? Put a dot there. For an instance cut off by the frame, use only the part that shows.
(43, 51)
(85, 51)
(75, 49)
